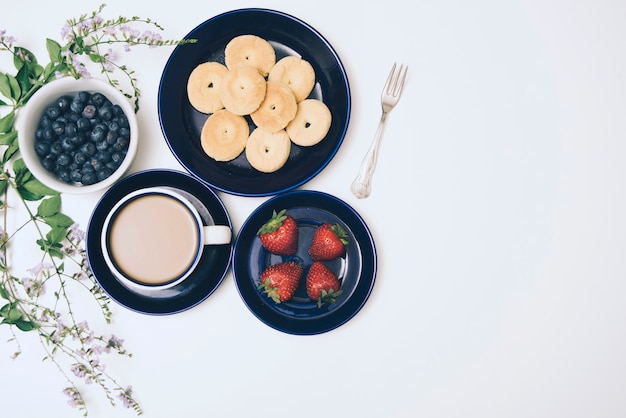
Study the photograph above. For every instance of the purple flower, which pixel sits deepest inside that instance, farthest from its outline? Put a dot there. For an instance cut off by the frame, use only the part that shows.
(114, 343)
(75, 233)
(126, 396)
(75, 400)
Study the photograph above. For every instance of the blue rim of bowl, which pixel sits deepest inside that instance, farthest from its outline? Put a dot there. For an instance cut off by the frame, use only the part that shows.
(357, 270)
(206, 277)
(181, 124)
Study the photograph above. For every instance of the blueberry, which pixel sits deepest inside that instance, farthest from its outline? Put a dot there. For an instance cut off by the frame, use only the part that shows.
(98, 99)
(117, 110)
(124, 132)
(104, 173)
(76, 175)
(77, 105)
(89, 111)
(49, 163)
(64, 175)
(63, 160)
(104, 156)
(88, 148)
(105, 113)
(121, 144)
(70, 129)
(97, 134)
(113, 125)
(53, 112)
(42, 148)
(111, 137)
(63, 103)
(45, 121)
(102, 145)
(56, 148)
(84, 96)
(48, 134)
(67, 144)
(89, 178)
(80, 158)
(117, 157)
(122, 121)
(83, 124)
(97, 164)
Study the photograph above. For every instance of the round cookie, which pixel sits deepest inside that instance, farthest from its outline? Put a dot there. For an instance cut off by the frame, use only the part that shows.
(296, 73)
(311, 123)
(252, 50)
(268, 151)
(242, 90)
(224, 135)
(277, 109)
(203, 86)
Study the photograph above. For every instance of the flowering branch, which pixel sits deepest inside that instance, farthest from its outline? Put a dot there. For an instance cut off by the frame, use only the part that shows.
(41, 301)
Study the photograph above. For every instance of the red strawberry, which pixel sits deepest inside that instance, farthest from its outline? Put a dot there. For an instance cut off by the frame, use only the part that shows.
(281, 280)
(322, 284)
(329, 241)
(279, 235)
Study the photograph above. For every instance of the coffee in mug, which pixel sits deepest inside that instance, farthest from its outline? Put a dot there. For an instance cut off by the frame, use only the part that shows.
(154, 237)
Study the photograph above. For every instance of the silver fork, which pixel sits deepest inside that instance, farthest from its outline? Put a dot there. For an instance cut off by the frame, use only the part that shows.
(362, 185)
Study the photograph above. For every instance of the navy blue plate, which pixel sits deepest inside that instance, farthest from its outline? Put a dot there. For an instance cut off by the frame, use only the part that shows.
(181, 123)
(357, 270)
(207, 276)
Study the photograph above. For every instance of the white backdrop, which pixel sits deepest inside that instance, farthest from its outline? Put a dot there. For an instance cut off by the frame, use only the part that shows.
(497, 210)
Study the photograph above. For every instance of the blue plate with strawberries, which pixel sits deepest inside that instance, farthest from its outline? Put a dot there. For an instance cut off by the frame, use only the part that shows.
(355, 268)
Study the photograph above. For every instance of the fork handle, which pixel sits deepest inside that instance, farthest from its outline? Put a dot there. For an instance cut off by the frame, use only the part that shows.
(362, 185)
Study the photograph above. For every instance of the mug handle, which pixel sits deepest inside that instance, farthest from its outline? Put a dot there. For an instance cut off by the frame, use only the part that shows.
(217, 234)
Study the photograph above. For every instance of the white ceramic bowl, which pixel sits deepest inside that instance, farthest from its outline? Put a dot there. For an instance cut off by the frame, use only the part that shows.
(28, 118)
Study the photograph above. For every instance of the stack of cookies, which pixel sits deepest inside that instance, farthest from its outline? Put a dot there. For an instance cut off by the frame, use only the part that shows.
(273, 94)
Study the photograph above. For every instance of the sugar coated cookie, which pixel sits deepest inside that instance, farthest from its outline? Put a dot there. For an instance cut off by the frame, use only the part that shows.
(268, 151)
(224, 135)
(296, 73)
(277, 109)
(250, 50)
(311, 123)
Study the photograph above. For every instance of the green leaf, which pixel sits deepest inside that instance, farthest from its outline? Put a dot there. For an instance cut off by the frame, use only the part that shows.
(5, 86)
(49, 207)
(23, 56)
(54, 50)
(23, 78)
(6, 122)
(3, 293)
(99, 59)
(8, 138)
(16, 91)
(10, 151)
(13, 315)
(25, 326)
(19, 167)
(56, 235)
(4, 183)
(33, 190)
(59, 220)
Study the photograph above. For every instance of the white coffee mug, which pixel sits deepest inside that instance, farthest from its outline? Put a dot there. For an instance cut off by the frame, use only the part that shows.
(154, 238)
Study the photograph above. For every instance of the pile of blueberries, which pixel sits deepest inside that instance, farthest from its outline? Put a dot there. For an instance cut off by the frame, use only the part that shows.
(82, 139)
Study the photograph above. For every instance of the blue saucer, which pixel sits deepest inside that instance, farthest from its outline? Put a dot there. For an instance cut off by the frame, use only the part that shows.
(357, 270)
(204, 280)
